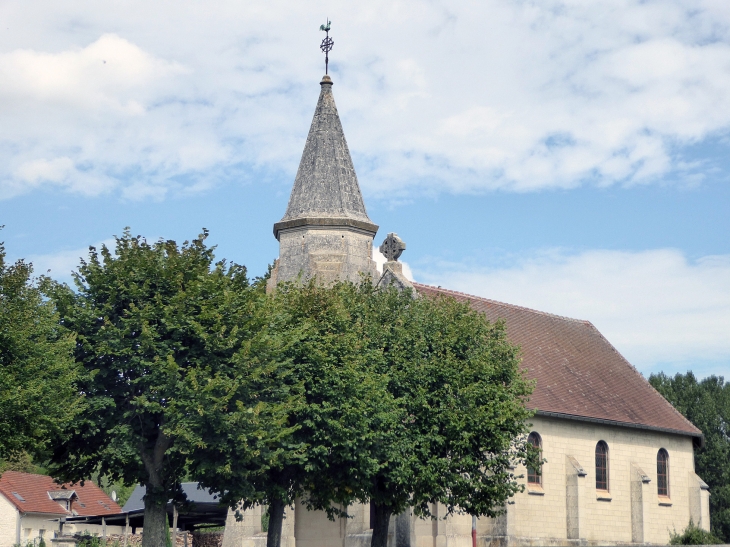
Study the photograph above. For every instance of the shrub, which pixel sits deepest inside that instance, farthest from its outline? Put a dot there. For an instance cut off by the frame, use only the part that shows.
(693, 535)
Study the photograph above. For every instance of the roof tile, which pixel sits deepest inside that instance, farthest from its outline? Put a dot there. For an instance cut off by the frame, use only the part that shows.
(33, 489)
(578, 373)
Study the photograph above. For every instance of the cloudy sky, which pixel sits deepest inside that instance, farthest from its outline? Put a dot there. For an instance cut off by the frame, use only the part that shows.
(568, 156)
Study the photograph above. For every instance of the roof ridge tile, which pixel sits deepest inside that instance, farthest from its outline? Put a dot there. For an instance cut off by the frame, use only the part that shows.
(514, 306)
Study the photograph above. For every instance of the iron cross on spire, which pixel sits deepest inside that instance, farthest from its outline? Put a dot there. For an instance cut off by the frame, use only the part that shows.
(327, 44)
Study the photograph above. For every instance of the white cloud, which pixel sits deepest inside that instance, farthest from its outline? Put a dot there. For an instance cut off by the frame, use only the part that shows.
(654, 306)
(457, 96)
(380, 260)
(61, 264)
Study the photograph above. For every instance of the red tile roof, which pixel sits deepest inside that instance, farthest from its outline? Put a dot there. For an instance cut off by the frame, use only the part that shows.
(33, 489)
(578, 373)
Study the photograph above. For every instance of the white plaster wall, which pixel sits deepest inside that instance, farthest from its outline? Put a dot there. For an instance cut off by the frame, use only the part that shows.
(8, 519)
(31, 525)
(92, 529)
(541, 513)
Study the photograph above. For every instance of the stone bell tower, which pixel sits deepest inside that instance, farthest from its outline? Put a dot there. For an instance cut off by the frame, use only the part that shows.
(326, 232)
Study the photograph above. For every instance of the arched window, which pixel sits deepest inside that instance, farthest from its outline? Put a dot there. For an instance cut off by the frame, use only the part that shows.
(534, 474)
(601, 466)
(662, 472)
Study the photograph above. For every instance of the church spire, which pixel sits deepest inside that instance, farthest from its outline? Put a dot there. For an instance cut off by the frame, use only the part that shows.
(326, 232)
(326, 192)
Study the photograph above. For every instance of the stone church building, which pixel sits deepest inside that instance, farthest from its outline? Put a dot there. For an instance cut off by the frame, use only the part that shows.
(619, 458)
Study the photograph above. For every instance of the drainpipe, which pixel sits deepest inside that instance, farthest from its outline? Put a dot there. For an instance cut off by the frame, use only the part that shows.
(473, 531)
(18, 526)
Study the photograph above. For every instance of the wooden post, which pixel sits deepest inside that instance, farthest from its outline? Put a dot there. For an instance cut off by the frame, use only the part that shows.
(174, 526)
(126, 531)
(103, 528)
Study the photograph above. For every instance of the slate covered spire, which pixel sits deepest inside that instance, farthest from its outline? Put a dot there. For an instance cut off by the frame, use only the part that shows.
(326, 191)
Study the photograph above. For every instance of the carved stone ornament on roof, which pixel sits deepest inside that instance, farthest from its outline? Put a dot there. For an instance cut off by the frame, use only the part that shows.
(392, 247)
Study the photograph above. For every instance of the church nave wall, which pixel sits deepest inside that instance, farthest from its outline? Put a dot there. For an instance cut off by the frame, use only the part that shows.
(542, 511)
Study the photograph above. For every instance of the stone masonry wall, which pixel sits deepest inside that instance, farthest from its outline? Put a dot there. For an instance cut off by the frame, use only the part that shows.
(542, 512)
(327, 253)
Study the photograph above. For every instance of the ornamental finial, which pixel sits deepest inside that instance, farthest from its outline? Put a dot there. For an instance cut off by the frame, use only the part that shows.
(392, 247)
(326, 45)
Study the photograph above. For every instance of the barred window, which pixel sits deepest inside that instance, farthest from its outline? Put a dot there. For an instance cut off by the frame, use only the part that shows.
(601, 466)
(534, 474)
(662, 472)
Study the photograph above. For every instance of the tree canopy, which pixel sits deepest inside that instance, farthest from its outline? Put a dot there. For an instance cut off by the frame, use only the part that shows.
(706, 404)
(157, 329)
(457, 413)
(318, 376)
(333, 394)
(37, 370)
(403, 402)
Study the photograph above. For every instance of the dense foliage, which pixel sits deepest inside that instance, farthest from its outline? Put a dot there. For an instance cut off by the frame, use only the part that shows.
(318, 374)
(706, 404)
(693, 535)
(157, 329)
(401, 401)
(37, 370)
(328, 394)
(455, 413)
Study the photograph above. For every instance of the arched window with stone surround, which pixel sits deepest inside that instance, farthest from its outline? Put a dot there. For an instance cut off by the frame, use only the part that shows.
(662, 472)
(602, 466)
(534, 474)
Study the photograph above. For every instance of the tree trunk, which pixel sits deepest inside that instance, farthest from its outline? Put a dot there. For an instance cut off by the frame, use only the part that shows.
(381, 520)
(155, 531)
(276, 521)
(155, 498)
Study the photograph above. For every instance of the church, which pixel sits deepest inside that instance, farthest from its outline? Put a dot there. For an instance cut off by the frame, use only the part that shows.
(619, 459)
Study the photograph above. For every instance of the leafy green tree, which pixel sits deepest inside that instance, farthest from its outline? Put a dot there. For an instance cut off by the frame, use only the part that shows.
(456, 418)
(37, 370)
(318, 374)
(404, 403)
(157, 329)
(22, 462)
(707, 405)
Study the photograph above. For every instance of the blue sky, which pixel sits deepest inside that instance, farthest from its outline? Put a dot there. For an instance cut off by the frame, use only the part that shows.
(566, 156)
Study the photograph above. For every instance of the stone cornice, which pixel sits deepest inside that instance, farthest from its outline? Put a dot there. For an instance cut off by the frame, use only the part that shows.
(368, 227)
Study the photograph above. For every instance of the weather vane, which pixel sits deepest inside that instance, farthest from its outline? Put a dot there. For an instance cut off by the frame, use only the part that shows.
(327, 44)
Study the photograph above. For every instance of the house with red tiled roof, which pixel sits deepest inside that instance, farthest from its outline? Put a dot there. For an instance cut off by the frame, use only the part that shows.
(32, 506)
(619, 459)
